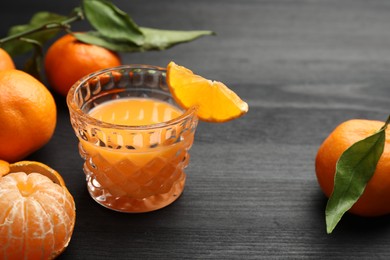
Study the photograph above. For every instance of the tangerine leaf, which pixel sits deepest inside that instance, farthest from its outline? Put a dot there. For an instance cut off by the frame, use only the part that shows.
(34, 64)
(115, 30)
(96, 38)
(17, 47)
(157, 39)
(111, 22)
(354, 170)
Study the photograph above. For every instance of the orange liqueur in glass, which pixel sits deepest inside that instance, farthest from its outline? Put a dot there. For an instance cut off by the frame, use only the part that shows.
(143, 170)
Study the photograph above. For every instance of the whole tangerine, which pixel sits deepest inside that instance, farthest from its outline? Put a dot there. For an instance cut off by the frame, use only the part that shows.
(375, 200)
(27, 115)
(68, 60)
(37, 214)
(6, 61)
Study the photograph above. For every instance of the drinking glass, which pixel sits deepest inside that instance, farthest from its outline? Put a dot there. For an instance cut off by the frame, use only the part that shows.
(131, 168)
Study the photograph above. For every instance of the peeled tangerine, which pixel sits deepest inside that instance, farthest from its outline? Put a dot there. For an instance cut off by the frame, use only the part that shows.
(37, 213)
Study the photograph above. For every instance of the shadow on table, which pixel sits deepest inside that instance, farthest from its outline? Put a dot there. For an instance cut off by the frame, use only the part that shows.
(101, 233)
(352, 225)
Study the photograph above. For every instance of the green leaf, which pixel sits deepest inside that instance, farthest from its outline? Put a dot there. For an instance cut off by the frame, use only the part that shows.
(163, 39)
(34, 64)
(96, 38)
(354, 169)
(111, 22)
(16, 47)
(155, 39)
(115, 30)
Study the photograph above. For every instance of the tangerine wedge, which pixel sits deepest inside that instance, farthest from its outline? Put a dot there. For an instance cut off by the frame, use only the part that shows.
(214, 100)
(37, 214)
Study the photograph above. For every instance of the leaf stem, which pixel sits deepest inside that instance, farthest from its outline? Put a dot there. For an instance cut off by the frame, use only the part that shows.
(386, 123)
(75, 16)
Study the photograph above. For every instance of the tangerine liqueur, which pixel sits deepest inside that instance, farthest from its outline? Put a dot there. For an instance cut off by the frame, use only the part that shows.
(135, 112)
(140, 170)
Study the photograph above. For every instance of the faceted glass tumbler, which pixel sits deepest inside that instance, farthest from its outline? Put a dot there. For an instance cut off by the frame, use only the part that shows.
(131, 168)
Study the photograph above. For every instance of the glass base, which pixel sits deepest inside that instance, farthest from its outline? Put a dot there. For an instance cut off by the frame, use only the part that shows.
(133, 205)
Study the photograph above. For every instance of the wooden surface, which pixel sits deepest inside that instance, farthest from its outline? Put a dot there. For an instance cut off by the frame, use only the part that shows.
(251, 193)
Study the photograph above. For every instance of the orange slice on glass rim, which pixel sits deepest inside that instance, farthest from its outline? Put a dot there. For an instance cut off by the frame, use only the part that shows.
(214, 100)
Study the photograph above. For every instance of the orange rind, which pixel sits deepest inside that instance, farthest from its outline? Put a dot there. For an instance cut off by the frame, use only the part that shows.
(38, 212)
(215, 102)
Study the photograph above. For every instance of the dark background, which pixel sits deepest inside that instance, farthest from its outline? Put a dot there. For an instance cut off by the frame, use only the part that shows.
(251, 192)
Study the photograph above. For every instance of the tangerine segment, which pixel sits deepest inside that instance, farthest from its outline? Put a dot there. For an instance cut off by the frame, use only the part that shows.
(32, 166)
(4, 168)
(214, 100)
(37, 216)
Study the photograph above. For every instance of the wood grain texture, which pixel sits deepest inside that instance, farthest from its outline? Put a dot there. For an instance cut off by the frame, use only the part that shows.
(251, 193)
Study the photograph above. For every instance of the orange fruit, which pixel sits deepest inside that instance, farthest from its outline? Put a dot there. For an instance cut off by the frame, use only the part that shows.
(214, 100)
(6, 61)
(375, 200)
(4, 168)
(37, 214)
(68, 60)
(27, 115)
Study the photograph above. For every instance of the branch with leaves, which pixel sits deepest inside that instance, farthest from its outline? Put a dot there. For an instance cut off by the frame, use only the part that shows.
(112, 29)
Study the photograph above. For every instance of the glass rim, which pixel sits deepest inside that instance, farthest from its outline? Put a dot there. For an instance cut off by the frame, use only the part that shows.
(70, 100)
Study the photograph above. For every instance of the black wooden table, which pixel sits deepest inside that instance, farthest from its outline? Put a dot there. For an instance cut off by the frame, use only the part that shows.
(251, 192)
